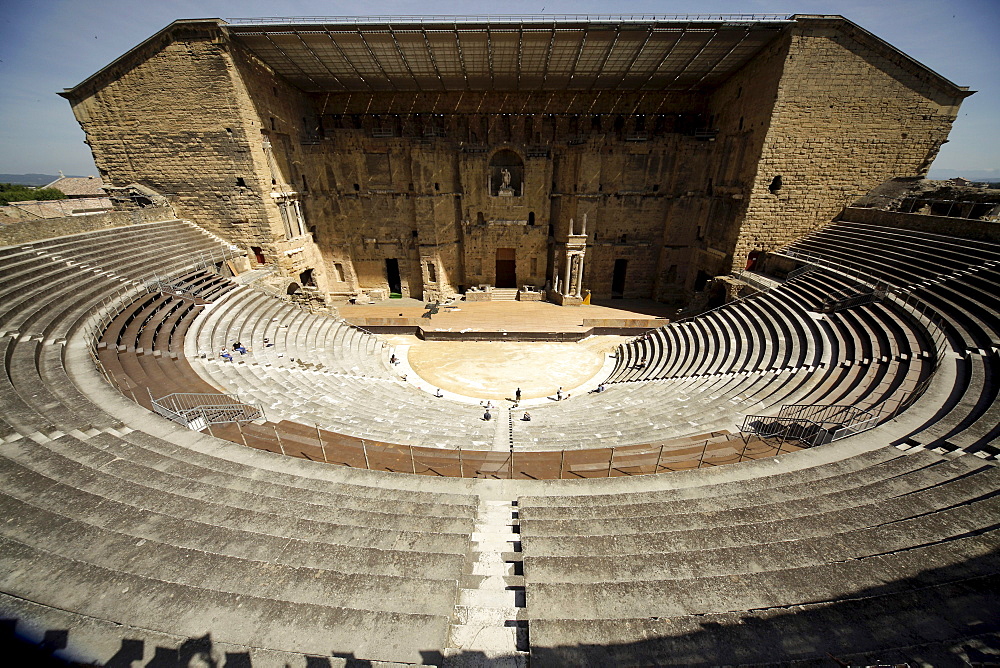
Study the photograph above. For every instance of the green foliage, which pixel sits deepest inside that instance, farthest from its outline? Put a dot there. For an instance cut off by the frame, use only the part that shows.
(12, 192)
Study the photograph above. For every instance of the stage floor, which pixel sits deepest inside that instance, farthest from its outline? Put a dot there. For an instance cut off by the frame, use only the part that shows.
(506, 316)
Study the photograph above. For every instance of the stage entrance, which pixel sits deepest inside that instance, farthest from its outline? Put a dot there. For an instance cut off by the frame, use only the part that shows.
(392, 276)
(618, 280)
(506, 268)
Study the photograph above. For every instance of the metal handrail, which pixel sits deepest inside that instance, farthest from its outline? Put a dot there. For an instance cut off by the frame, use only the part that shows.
(798, 429)
(504, 18)
(908, 203)
(808, 423)
(198, 410)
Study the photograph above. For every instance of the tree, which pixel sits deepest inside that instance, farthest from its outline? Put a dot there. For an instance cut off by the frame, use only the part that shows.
(12, 192)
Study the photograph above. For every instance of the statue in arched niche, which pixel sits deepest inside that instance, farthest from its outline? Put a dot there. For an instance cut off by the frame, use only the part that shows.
(506, 174)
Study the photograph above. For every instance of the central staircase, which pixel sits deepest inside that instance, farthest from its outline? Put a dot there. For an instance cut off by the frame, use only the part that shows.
(503, 295)
(489, 625)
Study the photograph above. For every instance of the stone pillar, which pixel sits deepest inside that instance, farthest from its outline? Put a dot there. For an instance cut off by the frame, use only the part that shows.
(579, 276)
(569, 286)
(299, 219)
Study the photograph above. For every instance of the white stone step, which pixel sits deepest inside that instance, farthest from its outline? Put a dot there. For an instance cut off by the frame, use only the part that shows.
(485, 615)
(457, 658)
(503, 294)
(482, 638)
(493, 567)
(490, 598)
(486, 542)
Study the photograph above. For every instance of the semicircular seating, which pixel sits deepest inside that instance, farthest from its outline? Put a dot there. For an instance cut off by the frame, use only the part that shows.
(954, 280)
(133, 540)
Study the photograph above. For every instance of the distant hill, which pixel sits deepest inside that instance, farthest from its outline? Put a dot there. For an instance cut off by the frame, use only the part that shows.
(970, 174)
(29, 179)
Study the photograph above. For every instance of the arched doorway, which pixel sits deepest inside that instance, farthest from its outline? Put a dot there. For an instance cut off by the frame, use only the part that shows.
(753, 258)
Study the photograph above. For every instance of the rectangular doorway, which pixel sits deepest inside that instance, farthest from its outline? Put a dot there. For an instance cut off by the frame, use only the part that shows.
(392, 276)
(506, 268)
(618, 279)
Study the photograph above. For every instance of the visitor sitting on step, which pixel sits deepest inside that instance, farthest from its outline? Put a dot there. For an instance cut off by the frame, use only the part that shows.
(527, 416)
(438, 393)
(226, 355)
(238, 347)
(487, 415)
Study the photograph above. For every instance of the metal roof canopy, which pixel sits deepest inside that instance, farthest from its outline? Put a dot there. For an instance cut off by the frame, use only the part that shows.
(534, 53)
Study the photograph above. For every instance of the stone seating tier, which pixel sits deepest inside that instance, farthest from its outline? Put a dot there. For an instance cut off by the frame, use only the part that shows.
(162, 538)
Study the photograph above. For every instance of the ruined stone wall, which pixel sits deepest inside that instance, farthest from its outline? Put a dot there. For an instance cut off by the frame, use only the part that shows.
(170, 119)
(280, 124)
(21, 232)
(850, 113)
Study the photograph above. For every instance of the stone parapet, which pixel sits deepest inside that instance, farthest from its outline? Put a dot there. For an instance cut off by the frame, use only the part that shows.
(32, 230)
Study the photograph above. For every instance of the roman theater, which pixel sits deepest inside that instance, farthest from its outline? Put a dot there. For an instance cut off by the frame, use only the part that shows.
(506, 341)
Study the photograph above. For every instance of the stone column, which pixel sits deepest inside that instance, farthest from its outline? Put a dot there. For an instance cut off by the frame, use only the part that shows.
(567, 286)
(579, 276)
(300, 222)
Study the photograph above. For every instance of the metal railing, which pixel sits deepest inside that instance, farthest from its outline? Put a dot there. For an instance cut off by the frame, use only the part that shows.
(572, 464)
(211, 260)
(949, 208)
(848, 269)
(807, 268)
(926, 316)
(860, 298)
(506, 18)
(755, 280)
(108, 308)
(196, 411)
(812, 424)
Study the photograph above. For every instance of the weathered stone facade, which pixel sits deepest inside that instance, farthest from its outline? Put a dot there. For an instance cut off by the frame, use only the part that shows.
(850, 113)
(355, 187)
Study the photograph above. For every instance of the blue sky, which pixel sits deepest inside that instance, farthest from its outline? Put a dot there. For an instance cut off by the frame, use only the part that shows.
(48, 45)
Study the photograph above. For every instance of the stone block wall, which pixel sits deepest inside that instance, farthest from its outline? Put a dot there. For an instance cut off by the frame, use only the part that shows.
(681, 185)
(169, 117)
(850, 113)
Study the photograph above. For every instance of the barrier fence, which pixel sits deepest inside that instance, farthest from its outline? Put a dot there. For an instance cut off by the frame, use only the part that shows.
(985, 209)
(196, 411)
(812, 424)
(317, 444)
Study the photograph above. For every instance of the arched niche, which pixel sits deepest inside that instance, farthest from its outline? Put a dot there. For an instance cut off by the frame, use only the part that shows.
(506, 174)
